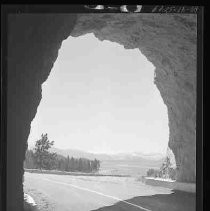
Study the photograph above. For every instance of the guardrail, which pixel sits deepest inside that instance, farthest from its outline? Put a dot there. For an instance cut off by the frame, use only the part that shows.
(172, 184)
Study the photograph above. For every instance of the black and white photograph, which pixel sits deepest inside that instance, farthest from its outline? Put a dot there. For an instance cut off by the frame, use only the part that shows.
(102, 108)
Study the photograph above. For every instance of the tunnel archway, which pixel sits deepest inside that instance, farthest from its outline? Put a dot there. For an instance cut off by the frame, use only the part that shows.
(108, 103)
(168, 41)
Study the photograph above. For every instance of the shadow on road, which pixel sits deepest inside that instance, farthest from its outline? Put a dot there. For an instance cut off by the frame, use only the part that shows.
(177, 201)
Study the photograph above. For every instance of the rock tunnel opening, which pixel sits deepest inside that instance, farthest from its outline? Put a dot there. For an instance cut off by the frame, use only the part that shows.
(98, 94)
(93, 87)
(168, 41)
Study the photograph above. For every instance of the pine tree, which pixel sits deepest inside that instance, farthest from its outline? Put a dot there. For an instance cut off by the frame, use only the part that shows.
(43, 158)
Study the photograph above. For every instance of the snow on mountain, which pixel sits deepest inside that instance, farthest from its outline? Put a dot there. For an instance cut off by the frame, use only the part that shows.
(104, 156)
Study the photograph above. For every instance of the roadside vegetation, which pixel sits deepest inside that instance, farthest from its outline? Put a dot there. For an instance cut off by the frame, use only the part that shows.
(166, 171)
(41, 158)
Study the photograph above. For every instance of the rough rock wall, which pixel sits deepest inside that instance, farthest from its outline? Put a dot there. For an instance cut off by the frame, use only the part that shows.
(169, 42)
(33, 43)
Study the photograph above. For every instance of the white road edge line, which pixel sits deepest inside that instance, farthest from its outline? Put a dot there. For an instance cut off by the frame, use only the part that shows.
(113, 197)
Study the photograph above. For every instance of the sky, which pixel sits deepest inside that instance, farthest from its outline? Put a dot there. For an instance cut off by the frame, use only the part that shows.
(100, 97)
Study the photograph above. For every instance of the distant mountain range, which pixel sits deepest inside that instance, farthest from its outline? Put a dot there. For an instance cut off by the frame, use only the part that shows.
(137, 156)
(152, 159)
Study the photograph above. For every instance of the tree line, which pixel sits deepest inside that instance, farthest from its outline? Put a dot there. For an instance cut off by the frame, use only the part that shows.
(41, 158)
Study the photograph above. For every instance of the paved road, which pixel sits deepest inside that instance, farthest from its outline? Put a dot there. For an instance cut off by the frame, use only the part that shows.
(83, 193)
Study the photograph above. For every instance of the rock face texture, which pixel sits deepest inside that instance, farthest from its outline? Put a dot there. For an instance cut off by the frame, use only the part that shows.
(33, 44)
(168, 41)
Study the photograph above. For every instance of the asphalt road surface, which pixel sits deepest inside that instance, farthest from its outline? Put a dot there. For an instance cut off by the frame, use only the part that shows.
(85, 193)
